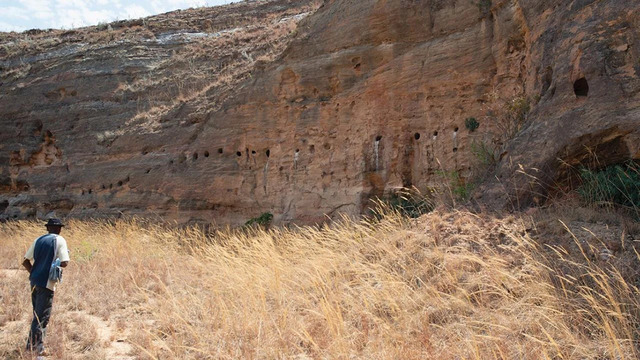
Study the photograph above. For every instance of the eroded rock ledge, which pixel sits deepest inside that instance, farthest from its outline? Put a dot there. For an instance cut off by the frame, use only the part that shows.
(308, 110)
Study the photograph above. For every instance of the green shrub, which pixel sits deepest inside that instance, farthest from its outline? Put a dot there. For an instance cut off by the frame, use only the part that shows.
(485, 154)
(263, 220)
(471, 124)
(512, 117)
(410, 203)
(616, 184)
(459, 188)
(518, 108)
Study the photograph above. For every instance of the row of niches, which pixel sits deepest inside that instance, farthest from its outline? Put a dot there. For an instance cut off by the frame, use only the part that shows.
(110, 186)
(196, 155)
(417, 136)
(267, 152)
(251, 152)
(581, 89)
(205, 153)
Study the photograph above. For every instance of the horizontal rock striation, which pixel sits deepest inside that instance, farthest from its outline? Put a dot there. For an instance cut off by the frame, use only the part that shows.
(310, 110)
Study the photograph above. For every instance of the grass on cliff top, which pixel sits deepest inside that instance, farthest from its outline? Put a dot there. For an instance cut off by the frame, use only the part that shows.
(448, 285)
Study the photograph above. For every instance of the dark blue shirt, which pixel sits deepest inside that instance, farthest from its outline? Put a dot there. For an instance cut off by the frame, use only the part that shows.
(43, 253)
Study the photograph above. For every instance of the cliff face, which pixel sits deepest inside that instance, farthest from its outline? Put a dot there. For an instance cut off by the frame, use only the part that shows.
(308, 111)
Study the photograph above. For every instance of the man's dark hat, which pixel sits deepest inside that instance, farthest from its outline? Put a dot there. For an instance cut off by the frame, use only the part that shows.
(54, 222)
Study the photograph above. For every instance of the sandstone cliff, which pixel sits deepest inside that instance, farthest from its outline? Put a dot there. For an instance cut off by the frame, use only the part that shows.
(308, 110)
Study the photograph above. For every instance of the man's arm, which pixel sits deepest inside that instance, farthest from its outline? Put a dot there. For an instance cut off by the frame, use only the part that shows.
(63, 251)
(28, 257)
(27, 265)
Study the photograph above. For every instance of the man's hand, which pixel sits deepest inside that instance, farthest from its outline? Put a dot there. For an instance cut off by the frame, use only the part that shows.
(27, 265)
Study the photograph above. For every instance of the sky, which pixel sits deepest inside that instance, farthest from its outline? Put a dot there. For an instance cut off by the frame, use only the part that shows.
(20, 15)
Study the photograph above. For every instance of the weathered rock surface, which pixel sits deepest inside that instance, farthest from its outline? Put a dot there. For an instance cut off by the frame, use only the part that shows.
(308, 111)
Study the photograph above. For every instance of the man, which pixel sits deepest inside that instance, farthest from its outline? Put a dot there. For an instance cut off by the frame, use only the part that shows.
(43, 252)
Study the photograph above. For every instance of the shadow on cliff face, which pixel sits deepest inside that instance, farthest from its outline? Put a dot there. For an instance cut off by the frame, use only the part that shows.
(592, 151)
(562, 175)
(385, 176)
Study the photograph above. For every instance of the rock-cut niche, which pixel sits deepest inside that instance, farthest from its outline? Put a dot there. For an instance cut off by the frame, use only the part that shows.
(581, 87)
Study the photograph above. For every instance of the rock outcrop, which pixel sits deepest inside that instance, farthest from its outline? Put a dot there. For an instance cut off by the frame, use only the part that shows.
(309, 110)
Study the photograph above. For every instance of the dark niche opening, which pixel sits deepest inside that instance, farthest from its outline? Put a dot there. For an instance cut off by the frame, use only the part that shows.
(379, 137)
(253, 152)
(297, 151)
(268, 152)
(581, 87)
(220, 151)
(456, 129)
(119, 183)
(206, 154)
(547, 78)
(416, 136)
(455, 149)
(195, 156)
(239, 153)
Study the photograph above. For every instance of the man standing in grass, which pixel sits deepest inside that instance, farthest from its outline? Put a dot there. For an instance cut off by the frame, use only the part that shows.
(43, 252)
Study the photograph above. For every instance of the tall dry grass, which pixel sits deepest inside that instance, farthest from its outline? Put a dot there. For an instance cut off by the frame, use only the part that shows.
(445, 286)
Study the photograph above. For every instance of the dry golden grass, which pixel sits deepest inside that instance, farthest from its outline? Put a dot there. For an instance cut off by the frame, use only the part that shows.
(445, 286)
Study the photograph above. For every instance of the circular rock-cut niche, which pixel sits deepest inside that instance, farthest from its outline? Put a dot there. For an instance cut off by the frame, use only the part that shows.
(379, 137)
(581, 87)
(416, 136)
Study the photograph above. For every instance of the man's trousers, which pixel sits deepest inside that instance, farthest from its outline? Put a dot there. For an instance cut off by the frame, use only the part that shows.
(42, 301)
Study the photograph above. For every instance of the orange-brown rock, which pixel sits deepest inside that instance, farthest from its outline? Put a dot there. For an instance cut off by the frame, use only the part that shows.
(308, 111)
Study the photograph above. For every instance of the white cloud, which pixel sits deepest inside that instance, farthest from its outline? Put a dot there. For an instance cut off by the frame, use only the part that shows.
(39, 9)
(135, 11)
(35, 5)
(71, 3)
(14, 12)
(10, 27)
(19, 15)
(161, 6)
